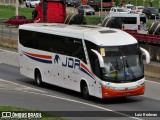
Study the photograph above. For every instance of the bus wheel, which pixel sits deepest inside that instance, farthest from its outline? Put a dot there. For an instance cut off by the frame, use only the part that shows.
(85, 91)
(38, 78)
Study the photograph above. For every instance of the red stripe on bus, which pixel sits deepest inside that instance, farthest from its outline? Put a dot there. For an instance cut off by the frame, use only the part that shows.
(86, 69)
(39, 56)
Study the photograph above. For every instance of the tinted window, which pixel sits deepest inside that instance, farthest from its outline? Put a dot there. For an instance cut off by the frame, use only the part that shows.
(14, 17)
(52, 43)
(153, 10)
(143, 19)
(128, 20)
(93, 58)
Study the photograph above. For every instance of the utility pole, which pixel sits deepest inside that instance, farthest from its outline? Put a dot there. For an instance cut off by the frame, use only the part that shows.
(17, 7)
(101, 10)
(136, 2)
(144, 3)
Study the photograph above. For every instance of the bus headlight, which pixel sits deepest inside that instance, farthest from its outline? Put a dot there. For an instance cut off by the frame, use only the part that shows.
(141, 82)
(111, 88)
(107, 85)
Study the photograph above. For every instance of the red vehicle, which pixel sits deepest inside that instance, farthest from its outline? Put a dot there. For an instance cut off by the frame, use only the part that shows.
(107, 4)
(153, 35)
(147, 38)
(50, 11)
(17, 20)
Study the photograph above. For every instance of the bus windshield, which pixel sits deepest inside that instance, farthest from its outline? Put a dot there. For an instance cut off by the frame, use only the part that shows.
(122, 63)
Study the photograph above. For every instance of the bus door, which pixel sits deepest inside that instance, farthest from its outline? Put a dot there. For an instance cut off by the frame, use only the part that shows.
(97, 75)
(95, 68)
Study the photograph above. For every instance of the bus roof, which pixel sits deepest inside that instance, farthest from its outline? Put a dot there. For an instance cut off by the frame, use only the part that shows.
(101, 36)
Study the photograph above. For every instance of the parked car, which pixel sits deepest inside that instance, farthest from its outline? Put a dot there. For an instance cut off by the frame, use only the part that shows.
(32, 3)
(69, 3)
(73, 3)
(151, 12)
(17, 20)
(86, 10)
(118, 10)
(128, 7)
(137, 9)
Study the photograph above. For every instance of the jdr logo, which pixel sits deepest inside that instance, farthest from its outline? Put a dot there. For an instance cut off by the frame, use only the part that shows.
(68, 62)
(71, 63)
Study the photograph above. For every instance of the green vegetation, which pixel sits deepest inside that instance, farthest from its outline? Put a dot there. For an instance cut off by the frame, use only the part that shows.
(93, 20)
(9, 11)
(21, 110)
(149, 23)
(146, 3)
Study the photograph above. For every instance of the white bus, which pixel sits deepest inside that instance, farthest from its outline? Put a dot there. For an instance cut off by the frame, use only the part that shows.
(95, 61)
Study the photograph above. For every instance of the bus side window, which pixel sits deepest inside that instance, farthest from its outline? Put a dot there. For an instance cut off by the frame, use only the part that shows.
(93, 59)
(78, 50)
(95, 65)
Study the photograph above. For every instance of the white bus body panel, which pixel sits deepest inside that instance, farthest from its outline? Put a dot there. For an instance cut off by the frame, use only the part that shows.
(54, 72)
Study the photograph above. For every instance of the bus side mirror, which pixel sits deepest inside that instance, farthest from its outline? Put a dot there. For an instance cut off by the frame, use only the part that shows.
(147, 55)
(100, 58)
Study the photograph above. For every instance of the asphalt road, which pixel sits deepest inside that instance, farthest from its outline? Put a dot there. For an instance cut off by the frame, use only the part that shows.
(17, 90)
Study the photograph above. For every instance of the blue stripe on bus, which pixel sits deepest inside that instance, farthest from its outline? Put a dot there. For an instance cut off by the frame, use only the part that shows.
(83, 70)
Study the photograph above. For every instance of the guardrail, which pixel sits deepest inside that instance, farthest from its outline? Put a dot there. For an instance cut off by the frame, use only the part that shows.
(8, 2)
(8, 37)
(12, 2)
(8, 32)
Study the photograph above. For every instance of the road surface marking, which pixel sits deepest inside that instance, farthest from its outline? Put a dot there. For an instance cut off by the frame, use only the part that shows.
(88, 104)
(9, 51)
(152, 82)
(23, 86)
(43, 93)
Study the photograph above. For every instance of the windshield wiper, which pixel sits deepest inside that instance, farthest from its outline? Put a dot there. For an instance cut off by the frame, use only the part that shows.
(131, 71)
(117, 66)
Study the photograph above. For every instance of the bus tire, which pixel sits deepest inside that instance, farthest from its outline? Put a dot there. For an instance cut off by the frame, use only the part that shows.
(153, 27)
(85, 90)
(38, 78)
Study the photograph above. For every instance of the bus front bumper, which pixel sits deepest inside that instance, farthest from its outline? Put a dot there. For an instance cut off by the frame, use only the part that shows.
(109, 93)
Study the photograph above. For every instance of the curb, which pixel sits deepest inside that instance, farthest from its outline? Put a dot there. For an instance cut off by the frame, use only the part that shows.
(152, 70)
